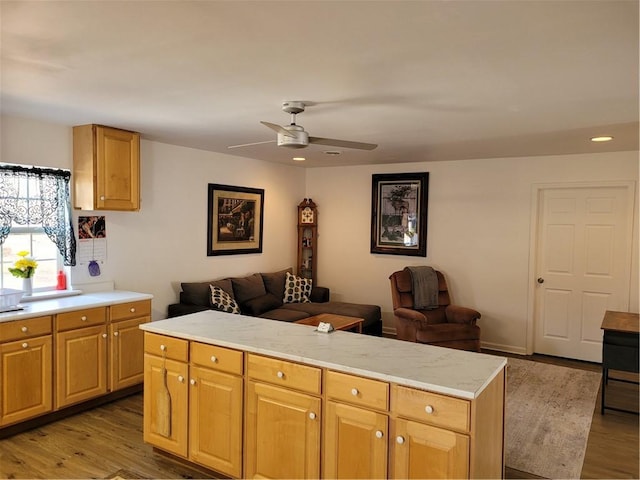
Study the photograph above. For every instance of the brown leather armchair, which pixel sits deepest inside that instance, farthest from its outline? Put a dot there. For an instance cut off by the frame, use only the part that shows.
(446, 326)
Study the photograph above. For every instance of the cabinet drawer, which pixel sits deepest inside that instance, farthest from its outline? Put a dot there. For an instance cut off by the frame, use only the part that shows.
(175, 348)
(284, 373)
(216, 358)
(20, 329)
(123, 311)
(80, 318)
(431, 408)
(357, 390)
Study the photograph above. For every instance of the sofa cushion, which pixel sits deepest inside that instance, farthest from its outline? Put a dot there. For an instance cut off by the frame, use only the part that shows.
(296, 289)
(274, 281)
(246, 288)
(221, 300)
(199, 293)
(257, 306)
(285, 315)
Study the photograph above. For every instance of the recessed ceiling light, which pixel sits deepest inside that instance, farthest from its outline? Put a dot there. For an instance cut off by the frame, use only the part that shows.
(299, 159)
(602, 138)
(332, 152)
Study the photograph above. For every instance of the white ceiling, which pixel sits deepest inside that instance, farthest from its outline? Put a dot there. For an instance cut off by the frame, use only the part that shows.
(425, 80)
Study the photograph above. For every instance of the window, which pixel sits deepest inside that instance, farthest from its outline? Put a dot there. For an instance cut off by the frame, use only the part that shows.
(35, 215)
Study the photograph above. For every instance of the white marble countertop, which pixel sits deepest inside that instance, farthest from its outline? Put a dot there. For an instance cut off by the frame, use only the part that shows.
(66, 304)
(442, 370)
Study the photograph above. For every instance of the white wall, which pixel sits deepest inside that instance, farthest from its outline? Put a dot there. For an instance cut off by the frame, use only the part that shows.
(478, 232)
(163, 244)
(478, 226)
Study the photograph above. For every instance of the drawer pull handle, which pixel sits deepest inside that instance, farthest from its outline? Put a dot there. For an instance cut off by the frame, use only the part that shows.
(214, 359)
(24, 329)
(132, 310)
(83, 318)
(163, 347)
(379, 434)
(428, 409)
(104, 335)
(115, 334)
(180, 378)
(280, 374)
(399, 440)
(192, 381)
(312, 416)
(354, 392)
(25, 345)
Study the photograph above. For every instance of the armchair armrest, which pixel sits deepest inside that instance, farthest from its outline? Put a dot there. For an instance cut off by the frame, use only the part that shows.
(409, 314)
(456, 314)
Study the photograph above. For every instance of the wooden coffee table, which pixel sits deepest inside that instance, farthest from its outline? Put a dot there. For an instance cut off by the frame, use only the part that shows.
(339, 322)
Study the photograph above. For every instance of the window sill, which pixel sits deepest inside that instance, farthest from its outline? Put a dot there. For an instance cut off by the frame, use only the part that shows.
(48, 295)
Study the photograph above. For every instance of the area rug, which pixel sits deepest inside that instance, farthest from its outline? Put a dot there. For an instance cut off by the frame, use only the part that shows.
(548, 417)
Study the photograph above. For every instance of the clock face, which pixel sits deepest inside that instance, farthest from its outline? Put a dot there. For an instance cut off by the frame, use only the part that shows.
(307, 215)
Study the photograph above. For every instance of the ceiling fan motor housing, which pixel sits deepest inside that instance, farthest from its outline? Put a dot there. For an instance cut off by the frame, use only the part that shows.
(300, 138)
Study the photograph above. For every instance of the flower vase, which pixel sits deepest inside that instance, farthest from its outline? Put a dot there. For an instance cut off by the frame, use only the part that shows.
(27, 286)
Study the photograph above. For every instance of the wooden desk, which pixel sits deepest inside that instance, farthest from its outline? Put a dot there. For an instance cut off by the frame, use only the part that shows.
(619, 348)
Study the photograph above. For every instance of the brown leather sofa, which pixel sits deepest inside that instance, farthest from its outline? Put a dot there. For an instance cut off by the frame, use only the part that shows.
(446, 326)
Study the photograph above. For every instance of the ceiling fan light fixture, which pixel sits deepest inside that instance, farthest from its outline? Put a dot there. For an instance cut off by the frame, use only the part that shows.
(602, 138)
(299, 159)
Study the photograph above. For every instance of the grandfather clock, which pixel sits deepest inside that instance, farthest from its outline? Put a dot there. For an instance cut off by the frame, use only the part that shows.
(307, 239)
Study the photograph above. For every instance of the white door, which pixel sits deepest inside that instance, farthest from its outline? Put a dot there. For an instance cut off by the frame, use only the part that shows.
(583, 264)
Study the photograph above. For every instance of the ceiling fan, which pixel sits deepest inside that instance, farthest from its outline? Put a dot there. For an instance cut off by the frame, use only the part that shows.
(294, 136)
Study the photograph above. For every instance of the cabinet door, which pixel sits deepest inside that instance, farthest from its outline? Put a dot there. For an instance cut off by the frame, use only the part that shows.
(117, 169)
(423, 451)
(81, 364)
(215, 420)
(176, 442)
(127, 353)
(282, 433)
(355, 442)
(26, 382)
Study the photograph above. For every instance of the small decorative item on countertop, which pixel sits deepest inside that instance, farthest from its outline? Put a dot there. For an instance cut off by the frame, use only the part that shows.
(25, 266)
(62, 281)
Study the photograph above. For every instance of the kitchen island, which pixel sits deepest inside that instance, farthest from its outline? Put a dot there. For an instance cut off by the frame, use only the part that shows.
(255, 397)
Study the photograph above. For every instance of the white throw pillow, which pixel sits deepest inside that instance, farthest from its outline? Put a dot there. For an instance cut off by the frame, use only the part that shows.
(296, 289)
(221, 300)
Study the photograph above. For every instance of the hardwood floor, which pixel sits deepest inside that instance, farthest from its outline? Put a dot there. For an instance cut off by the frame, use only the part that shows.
(107, 440)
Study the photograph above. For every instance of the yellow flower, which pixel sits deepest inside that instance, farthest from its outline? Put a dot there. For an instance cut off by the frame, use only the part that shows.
(25, 266)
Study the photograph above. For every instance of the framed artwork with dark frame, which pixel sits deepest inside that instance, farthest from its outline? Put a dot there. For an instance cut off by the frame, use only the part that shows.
(234, 220)
(399, 213)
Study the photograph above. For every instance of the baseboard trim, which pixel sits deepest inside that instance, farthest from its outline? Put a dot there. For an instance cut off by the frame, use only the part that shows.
(503, 348)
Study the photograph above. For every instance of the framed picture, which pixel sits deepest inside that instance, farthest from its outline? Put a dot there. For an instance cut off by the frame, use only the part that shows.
(399, 213)
(234, 220)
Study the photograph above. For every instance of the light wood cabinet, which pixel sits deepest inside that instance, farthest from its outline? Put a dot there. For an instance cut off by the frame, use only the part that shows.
(106, 168)
(283, 412)
(176, 381)
(302, 421)
(356, 427)
(215, 420)
(51, 362)
(423, 451)
(127, 343)
(25, 369)
(81, 364)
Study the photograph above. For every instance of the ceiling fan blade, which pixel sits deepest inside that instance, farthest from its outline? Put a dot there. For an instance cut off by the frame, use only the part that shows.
(278, 128)
(342, 143)
(250, 144)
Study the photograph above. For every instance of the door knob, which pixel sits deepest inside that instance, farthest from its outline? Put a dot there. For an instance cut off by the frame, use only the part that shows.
(540, 280)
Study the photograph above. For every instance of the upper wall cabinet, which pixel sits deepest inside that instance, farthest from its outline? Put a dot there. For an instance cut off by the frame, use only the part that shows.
(106, 168)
